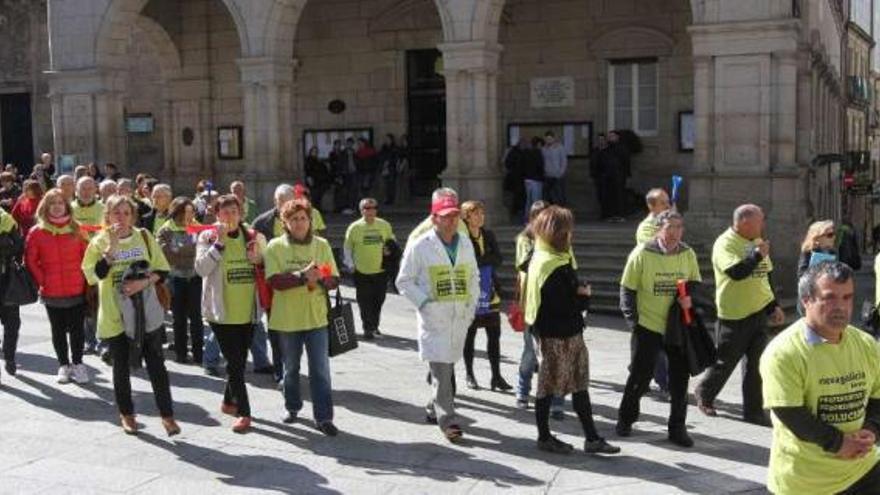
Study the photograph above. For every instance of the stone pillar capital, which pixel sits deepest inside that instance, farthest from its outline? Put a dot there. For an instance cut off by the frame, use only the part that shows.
(470, 56)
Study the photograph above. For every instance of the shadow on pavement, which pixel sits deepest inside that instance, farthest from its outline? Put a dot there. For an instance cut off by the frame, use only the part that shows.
(247, 471)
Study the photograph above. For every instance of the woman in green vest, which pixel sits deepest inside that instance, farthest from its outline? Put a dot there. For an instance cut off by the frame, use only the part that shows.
(227, 258)
(106, 263)
(301, 270)
(554, 304)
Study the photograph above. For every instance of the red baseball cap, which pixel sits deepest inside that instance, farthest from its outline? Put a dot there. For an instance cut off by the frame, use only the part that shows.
(445, 205)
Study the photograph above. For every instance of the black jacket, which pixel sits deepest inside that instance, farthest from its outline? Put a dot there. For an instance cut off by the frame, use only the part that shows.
(560, 314)
(11, 249)
(265, 223)
(489, 255)
(694, 341)
(532, 163)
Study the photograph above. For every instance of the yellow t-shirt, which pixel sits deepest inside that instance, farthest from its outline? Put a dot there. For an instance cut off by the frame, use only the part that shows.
(91, 215)
(130, 249)
(298, 308)
(366, 243)
(833, 381)
(647, 230)
(737, 299)
(239, 282)
(653, 276)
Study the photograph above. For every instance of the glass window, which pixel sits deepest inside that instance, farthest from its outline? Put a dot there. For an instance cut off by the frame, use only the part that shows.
(633, 96)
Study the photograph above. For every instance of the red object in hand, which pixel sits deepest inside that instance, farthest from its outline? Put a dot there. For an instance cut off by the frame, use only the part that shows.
(198, 229)
(681, 284)
(90, 228)
(326, 270)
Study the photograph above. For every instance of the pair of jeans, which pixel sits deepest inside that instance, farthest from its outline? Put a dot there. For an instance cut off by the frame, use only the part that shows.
(528, 363)
(186, 311)
(234, 342)
(316, 343)
(646, 346)
(534, 192)
(370, 294)
(152, 353)
(259, 350)
(554, 190)
(492, 323)
(736, 339)
(64, 322)
(10, 318)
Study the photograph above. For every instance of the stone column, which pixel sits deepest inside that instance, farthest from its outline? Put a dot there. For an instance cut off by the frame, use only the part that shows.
(268, 141)
(88, 114)
(746, 104)
(471, 72)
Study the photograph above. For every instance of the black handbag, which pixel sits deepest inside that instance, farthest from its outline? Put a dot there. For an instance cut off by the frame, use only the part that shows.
(21, 289)
(340, 319)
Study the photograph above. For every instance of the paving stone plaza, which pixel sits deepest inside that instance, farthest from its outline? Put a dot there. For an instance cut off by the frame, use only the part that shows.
(66, 439)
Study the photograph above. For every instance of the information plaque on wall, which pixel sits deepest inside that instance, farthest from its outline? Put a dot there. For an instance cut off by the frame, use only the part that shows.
(552, 92)
(576, 137)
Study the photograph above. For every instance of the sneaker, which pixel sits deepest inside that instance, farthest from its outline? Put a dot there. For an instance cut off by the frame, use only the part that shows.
(328, 428)
(242, 424)
(79, 373)
(600, 446)
(63, 374)
(522, 403)
(288, 417)
(557, 415)
(555, 446)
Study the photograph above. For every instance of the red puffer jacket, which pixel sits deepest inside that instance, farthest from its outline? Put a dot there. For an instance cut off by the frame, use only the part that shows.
(54, 257)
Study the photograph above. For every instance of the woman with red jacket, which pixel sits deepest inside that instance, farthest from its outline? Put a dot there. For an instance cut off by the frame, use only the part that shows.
(54, 250)
(25, 208)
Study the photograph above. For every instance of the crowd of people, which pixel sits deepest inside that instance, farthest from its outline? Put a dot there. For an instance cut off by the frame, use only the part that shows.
(112, 257)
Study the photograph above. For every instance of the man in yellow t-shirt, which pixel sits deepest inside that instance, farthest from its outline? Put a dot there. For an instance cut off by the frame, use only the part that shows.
(823, 389)
(746, 304)
(89, 212)
(648, 289)
(363, 250)
(658, 202)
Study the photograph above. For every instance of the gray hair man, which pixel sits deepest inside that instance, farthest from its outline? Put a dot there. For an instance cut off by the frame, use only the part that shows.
(657, 202)
(746, 304)
(821, 384)
(67, 185)
(107, 188)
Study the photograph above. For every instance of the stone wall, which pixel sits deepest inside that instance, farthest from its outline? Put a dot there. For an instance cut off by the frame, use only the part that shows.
(577, 38)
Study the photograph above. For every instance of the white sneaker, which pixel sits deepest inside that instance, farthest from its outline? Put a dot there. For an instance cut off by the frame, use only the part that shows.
(80, 374)
(64, 374)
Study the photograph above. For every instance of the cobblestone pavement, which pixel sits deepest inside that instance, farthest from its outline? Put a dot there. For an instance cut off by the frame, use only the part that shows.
(65, 438)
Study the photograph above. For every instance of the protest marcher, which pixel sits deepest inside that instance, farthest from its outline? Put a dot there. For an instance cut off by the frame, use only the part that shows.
(648, 289)
(821, 385)
(746, 305)
(439, 275)
(11, 249)
(363, 250)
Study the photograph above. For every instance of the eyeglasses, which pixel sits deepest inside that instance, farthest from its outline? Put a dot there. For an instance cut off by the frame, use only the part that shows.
(369, 208)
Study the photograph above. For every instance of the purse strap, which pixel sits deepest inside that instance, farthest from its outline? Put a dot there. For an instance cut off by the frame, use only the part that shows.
(147, 243)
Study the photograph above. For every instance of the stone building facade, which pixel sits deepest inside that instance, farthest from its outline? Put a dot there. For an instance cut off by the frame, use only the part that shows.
(754, 87)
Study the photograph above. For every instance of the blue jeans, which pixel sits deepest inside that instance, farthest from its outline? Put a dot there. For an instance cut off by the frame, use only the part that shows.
(317, 345)
(259, 350)
(528, 363)
(211, 354)
(534, 192)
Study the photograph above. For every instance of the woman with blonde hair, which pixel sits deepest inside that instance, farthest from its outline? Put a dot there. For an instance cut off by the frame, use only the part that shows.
(818, 245)
(127, 263)
(54, 251)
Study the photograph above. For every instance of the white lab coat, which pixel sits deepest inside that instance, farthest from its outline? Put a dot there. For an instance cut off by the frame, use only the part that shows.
(442, 324)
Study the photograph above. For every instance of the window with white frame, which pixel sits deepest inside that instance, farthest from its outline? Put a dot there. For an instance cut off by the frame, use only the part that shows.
(633, 94)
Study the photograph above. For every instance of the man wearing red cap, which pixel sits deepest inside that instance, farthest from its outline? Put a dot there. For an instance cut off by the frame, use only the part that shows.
(439, 275)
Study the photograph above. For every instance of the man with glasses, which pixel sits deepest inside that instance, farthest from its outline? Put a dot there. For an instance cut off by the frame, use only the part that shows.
(363, 250)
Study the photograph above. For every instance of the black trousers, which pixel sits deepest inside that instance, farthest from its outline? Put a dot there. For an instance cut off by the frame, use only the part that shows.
(64, 322)
(738, 339)
(277, 358)
(186, 310)
(370, 298)
(492, 323)
(611, 195)
(11, 321)
(645, 349)
(152, 352)
(869, 484)
(235, 340)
